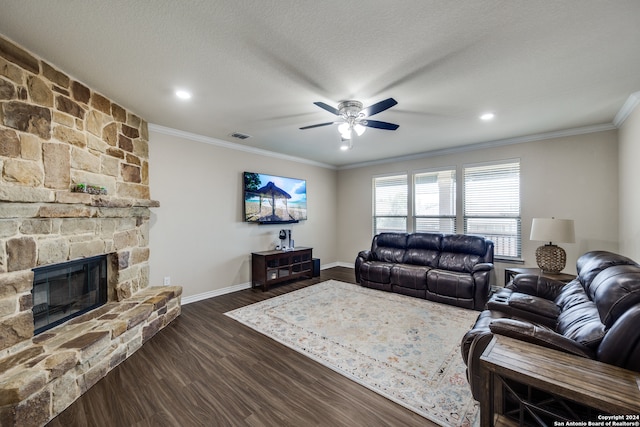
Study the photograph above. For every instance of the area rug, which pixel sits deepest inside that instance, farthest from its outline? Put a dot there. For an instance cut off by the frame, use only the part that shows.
(404, 348)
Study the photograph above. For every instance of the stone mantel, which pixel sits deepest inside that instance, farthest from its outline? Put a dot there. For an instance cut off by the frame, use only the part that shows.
(38, 195)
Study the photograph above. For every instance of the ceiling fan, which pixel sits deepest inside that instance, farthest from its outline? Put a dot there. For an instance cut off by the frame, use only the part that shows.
(355, 118)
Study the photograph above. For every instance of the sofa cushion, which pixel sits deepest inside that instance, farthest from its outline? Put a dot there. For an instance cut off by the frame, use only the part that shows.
(462, 263)
(423, 249)
(615, 291)
(450, 284)
(582, 323)
(571, 294)
(409, 276)
(376, 271)
(592, 263)
(461, 243)
(389, 247)
(461, 253)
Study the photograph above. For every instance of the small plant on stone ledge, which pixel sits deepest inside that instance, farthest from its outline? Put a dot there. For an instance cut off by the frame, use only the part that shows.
(88, 188)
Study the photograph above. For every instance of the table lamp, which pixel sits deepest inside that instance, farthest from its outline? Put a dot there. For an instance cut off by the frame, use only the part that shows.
(552, 258)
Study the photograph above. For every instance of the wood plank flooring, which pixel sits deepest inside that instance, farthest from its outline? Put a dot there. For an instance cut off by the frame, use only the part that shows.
(206, 369)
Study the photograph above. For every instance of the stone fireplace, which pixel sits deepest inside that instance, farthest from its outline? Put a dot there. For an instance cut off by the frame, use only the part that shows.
(59, 138)
(63, 291)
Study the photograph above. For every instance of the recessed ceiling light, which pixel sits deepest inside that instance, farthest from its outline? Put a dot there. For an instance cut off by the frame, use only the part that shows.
(487, 116)
(183, 94)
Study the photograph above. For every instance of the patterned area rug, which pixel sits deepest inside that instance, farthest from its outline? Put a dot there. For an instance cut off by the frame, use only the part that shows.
(404, 348)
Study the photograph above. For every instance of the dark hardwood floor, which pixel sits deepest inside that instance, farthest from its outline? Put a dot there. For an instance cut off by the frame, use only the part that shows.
(206, 369)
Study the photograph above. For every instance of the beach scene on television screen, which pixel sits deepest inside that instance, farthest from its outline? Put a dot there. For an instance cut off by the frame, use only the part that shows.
(269, 198)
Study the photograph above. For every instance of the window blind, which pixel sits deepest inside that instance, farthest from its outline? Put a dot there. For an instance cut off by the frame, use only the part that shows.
(492, 205)
(434, 201)
(390, 204)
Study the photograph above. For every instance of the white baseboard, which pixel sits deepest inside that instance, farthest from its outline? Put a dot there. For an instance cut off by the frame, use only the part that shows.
(215, 293)
(243, 286)
(342, 264)
(337, 264)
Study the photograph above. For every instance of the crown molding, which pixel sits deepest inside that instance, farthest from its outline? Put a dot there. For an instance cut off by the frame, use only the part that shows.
(232, 146)
(631, 103)
(488, 144)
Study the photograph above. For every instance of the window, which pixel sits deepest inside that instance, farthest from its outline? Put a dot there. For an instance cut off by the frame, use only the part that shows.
(434, 201)
(492, 205)
(390, 204)
(489, 201)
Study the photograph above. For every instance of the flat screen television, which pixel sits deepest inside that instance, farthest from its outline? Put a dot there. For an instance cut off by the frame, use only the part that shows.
(271, 199)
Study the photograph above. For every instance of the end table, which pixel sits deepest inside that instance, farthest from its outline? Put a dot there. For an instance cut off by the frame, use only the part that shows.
(511, 272)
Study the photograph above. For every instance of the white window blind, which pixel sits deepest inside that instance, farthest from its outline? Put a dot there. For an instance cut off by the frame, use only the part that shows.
(492, 205)
(434, 201)
(390, 204)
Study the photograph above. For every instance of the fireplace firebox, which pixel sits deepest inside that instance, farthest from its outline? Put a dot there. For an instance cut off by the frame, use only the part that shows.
(63, 291)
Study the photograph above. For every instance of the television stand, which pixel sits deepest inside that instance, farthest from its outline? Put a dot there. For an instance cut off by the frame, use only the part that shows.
(271, 267)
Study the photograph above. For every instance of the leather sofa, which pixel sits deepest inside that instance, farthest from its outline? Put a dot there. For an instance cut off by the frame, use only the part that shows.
(453, 269)
(597, 315)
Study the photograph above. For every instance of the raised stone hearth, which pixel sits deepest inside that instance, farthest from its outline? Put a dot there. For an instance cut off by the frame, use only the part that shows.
(47, 373)
(58, 137)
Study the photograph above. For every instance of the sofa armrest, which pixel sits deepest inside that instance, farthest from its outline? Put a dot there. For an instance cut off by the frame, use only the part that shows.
(483, 266)
(473, 344)
(539, 286)
(525, 307)
(482, 280)
(362, 257)
(539, 335)
(621, 345)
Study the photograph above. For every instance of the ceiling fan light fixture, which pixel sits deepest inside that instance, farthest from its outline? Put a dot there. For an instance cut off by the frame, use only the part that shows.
(353, 118)
(350, 109)
(346, 144)
(345, 130)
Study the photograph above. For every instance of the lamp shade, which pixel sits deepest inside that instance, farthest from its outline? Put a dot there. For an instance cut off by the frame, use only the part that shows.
(553, 230)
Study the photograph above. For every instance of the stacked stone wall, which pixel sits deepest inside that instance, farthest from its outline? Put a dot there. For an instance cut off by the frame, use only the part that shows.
(57, 133)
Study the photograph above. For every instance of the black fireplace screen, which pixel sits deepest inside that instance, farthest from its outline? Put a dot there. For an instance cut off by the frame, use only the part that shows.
(63, 291)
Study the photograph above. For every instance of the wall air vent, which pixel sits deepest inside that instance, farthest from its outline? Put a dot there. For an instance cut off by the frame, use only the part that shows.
(239, 135)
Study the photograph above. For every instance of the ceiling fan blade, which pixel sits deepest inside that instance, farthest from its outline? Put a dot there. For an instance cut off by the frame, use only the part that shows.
(327, 107)
(380, 125)
(379, 107)
(317, 126)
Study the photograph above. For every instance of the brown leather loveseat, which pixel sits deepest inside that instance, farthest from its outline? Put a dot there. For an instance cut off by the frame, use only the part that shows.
(597, 315)
(449, 268)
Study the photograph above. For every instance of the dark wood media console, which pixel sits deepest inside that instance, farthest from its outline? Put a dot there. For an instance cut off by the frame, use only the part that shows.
(271, 267)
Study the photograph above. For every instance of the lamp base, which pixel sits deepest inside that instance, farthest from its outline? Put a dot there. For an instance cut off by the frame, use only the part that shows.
(551, 258)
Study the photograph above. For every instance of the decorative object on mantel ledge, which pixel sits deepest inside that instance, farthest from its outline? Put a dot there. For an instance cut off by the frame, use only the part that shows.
(89, 188)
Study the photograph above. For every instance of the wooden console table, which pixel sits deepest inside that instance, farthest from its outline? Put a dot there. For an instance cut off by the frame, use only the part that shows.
(511, 272)
(271, 267)
(534, 379)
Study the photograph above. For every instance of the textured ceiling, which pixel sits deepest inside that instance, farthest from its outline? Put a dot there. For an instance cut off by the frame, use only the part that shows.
(256, 67)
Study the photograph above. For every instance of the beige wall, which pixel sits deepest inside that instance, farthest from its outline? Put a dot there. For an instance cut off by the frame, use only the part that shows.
(198, 237)
(629, 176)
(199, 240)
(571, 177)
